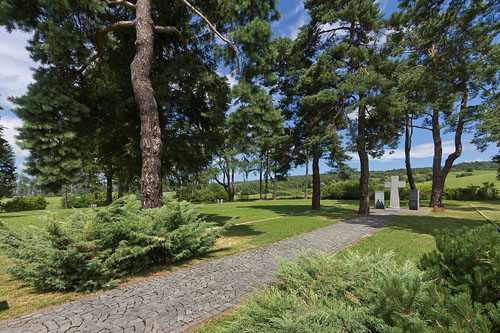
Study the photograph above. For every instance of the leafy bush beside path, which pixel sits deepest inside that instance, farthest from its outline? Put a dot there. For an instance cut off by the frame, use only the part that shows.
(92, 249)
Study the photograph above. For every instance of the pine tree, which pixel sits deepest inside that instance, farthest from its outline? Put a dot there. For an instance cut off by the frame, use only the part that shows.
(52, 123)
(68, 33)
(340, 68)
(451, 40)
(7, 167)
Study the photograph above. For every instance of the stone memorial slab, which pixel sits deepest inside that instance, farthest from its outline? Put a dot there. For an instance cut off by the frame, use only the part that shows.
(379, 200)
(394, 185)
(414, 203)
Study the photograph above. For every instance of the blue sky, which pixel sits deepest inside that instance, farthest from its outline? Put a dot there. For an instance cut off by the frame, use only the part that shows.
(15, 75)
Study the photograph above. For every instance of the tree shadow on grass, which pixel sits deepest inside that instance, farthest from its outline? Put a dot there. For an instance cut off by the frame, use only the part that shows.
(297, 209)
(479, 205)
(242, 231)
(216, 218)
(432, 225)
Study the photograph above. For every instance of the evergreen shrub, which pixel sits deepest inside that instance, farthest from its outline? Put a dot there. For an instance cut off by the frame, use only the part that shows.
(456, 289)
(18, 204)
(92, 249)
(467, 261)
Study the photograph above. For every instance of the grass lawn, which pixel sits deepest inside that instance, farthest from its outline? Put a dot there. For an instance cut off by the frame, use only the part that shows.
(478, 178)
(407, 236)
(24, 299)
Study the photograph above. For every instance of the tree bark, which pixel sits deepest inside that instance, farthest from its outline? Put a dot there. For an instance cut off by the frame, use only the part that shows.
(439, 174)
(233, 187)
(316, 204)
(151, 144)
(260, 178)
(109, 188)
(120, 190)
(408, 137)
(66, 203)
(275, 186)
(306, 190)
(266, 176)
(364, 201)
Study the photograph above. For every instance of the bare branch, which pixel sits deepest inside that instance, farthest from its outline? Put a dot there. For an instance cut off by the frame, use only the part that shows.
(420, 127)
(334, 30)
(123, 3)
(178, 33)
(100, 48)
(115, 26)
(210, 25)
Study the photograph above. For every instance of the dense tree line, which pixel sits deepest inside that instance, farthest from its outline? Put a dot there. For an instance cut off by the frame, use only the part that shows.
(133, 92)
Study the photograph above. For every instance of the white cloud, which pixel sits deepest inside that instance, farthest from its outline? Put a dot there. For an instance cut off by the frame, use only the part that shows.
(10, 131)
(382, 4)
(425, 150)
(15, 64)
(231, 80)
(293, 29)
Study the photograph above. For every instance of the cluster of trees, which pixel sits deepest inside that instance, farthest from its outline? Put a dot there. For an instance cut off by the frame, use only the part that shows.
(149, 101)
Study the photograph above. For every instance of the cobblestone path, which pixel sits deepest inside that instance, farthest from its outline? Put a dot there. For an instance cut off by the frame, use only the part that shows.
(179, 300)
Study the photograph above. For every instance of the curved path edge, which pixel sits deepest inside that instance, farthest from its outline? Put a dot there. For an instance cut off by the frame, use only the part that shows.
(182, 299)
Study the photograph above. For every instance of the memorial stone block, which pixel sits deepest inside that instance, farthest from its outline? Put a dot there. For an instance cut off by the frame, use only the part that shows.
(379, 200)
(414, 203)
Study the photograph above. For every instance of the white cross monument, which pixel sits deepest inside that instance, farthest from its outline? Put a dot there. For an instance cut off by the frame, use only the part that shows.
(394, 184)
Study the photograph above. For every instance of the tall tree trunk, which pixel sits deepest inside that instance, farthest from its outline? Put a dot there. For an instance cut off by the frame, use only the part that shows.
(306, 190)
(408, 137)
(109, 188)
(439, 174)
(275, 186)
(120, 189)
(151, 144)
(233, 187)
(66, 203)
(260, 177)
(364, 201)
(266, 176)
(316, 204)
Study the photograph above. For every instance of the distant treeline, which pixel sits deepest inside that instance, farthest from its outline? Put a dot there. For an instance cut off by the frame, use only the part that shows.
(294, 186)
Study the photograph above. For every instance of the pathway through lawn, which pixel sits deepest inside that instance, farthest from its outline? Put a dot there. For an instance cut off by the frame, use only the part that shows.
(182, 299)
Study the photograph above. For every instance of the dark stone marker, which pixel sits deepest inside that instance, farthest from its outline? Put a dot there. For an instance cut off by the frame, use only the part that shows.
(379, 199)
(4, 305)
(414, 202)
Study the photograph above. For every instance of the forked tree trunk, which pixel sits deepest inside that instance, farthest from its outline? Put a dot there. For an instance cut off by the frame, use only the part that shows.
(364, 201)
(151, 144)
(316, 204)
(408, 137)
(306, 190)
(439, 174)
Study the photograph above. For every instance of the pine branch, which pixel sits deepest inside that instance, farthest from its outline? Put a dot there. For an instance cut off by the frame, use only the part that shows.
(100, 48)
(420, 127)
(178, 33)
(334, 30)
(210, 25)
(123, 3)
